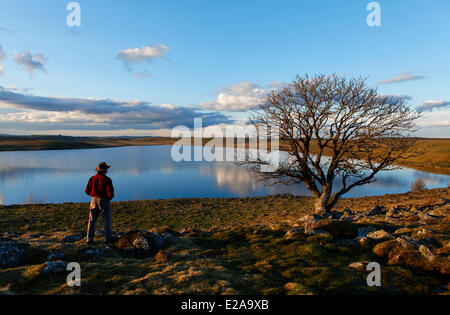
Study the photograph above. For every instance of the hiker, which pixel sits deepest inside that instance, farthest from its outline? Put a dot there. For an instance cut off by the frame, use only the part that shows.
(101, 189)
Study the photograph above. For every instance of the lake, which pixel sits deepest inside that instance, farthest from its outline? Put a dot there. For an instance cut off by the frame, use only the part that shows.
(149, 172)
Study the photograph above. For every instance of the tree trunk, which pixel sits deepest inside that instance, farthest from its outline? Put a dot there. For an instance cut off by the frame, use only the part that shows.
(321, 205)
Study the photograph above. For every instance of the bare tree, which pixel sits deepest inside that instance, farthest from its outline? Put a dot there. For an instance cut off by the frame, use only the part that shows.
(333, 129)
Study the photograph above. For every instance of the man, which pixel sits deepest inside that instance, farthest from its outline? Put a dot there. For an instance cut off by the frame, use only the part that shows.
(101, 189)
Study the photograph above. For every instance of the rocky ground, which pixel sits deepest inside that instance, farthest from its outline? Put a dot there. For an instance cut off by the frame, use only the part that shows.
(281, 252)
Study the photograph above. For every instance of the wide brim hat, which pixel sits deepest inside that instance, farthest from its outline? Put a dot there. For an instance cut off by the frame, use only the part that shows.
(102, 166)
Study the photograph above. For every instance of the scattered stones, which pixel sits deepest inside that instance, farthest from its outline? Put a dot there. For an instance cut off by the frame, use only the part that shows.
(11, 252)
(54, 266)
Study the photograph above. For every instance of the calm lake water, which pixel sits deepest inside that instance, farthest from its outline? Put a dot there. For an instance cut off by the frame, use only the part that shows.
(150, 173)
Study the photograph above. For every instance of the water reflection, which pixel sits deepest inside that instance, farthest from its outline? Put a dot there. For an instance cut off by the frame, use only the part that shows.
(150, 173)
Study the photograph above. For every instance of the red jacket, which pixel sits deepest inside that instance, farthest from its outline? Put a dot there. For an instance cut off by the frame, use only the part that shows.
(101, 186)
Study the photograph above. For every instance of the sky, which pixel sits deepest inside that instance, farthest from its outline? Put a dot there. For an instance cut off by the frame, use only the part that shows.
(144, 67)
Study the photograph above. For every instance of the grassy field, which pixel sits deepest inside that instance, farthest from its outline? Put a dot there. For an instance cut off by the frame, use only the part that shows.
(435, 156)
(234, 246)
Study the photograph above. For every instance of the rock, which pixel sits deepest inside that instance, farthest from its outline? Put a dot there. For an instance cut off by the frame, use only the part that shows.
(438, 213)
(347, 216)
(364, 231)
(426, 252)
(294, 288)
(338, 229)
(308, 221)
(11, 252)
(71, 238)
(317, 232)
(293, 234)
(141, 243)
(10, 234)
(37, 235)
(407, 241)
(394, 212)
(426, 217)
(377, 210)
(56, 255)
(357, 266)
(422, 233)
(384, 248)
(54, 266)
(403, 231)
(380, 235)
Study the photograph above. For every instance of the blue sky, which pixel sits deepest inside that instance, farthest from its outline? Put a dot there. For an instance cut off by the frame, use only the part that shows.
(221, 57)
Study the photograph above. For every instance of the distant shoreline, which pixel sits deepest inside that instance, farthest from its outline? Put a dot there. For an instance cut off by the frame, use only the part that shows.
(435, 160)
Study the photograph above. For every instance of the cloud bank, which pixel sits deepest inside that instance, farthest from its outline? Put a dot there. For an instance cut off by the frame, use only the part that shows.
(89, 113)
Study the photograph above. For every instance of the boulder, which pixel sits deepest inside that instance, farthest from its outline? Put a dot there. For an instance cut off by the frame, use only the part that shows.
(338, 229)
(141, 243)
(377, 210)
(380, 235)
(11, 252)
(426, 252)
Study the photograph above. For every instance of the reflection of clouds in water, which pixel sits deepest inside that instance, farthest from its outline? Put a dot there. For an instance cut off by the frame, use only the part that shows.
(1, 199)
(150, 172)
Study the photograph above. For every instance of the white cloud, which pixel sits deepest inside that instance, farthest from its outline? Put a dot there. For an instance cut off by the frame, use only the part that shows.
(31, 63)
(144, 54)
(429, 105)
(2, 70)
(407, 76)
(240, 97)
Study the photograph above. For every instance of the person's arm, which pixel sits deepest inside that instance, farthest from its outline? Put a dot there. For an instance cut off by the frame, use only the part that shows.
(88, 187)
(110, 190)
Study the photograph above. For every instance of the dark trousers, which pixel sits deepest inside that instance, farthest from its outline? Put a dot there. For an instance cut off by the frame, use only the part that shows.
(103, 206)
